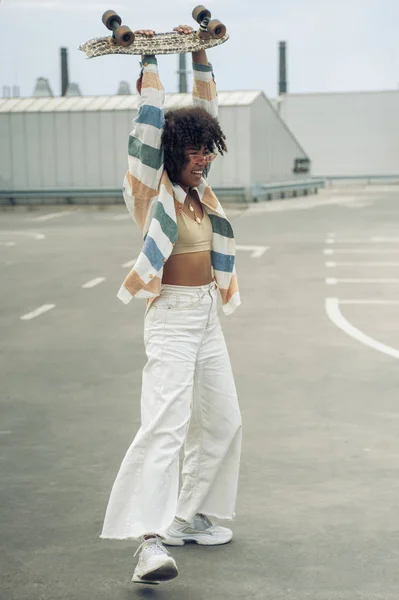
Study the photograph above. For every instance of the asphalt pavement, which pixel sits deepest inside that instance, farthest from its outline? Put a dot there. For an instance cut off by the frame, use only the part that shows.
(315, 350)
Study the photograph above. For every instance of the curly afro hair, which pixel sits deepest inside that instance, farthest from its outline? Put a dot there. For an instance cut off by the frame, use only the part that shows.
(189, 126)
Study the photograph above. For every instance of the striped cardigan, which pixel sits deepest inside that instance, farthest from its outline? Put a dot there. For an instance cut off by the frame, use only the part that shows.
(153, 201)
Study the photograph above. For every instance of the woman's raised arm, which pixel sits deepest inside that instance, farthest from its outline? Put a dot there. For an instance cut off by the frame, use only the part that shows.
(145, 154)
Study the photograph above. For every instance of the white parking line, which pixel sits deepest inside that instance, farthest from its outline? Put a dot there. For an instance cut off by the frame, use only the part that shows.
(93, 282)
(335, 315)
(123, 217)
(54, 215)
(334, 281)
(329, 251)
(382, 302)
(361, 264)
(372, 240)
(360, 204)
(37, 236)
(7, 244)
(257, 251)
(129, 263)
(36, 313)
(297, 204)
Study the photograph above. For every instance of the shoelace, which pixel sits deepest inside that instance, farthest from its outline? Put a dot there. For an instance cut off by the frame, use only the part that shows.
(154, 546)
(205, 520)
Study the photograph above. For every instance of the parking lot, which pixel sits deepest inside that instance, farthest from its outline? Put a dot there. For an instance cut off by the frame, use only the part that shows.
(314, 348)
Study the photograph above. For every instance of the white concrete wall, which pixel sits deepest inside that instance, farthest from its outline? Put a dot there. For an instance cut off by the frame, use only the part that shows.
(86, 150)
(346, 134)
(234, 168)
(273, 146)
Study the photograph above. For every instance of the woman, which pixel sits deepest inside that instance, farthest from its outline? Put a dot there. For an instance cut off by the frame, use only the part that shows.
(188, 392)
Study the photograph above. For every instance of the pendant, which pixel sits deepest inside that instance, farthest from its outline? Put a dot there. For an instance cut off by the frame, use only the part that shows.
(191, 207)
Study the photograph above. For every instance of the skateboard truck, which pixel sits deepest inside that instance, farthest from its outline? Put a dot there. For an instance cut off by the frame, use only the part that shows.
(122, 34)
(208, 28)
(203, 29)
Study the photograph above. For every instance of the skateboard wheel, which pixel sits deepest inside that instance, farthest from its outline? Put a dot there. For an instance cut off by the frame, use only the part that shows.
(111, 15)
(124, 36)
(216, 29)
(200, 13)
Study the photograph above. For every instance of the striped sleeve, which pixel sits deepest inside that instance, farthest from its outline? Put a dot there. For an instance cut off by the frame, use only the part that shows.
(204, 88)
(145, 154)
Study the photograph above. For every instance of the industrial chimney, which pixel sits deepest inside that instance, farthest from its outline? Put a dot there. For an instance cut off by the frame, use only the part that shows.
(124, 89)
(42, 88)
(64, 71)
(282, 84)
(73, 89)
(182, 74)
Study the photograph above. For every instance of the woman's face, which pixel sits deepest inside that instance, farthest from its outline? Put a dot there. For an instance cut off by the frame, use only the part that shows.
(198, 158)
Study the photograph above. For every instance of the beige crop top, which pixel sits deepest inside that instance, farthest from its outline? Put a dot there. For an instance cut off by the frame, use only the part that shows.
(193, 236)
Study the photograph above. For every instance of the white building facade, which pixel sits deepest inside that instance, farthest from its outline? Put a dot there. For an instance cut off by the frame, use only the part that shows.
(348, 135)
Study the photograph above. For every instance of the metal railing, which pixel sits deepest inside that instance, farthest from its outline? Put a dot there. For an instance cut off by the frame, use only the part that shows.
(286, 189)
(367, 179)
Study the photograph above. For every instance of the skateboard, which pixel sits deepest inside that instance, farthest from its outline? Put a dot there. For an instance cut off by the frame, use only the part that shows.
(211, 33)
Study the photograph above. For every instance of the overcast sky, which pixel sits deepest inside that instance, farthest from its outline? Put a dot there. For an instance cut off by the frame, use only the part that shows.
(333, 45)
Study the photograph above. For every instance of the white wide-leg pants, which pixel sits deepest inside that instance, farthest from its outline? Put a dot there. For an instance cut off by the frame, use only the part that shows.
(188, 397)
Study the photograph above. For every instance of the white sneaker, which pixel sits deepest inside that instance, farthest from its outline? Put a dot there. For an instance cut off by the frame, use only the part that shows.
(201, 530)
(155, 563)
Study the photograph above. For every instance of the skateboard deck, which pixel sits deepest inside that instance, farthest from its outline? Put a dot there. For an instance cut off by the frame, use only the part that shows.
(160, 43)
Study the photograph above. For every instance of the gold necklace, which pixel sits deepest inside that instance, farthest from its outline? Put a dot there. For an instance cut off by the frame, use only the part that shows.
(192, 209)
